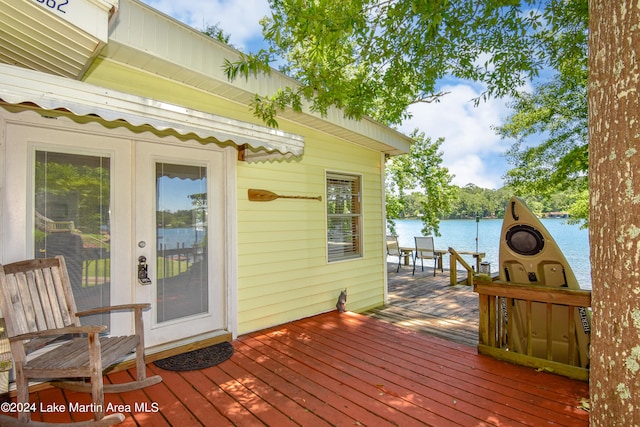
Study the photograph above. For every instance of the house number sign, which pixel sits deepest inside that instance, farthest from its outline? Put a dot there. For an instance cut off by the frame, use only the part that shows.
(57, 5)
(91, 17)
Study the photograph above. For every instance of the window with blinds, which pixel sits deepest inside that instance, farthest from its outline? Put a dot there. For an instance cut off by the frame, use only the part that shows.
(344, 217)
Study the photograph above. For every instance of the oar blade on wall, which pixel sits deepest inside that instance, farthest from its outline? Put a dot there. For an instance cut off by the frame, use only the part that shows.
(267, 196)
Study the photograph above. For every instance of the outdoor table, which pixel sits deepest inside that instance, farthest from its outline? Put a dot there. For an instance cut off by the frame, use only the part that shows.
(440, 253)
(406, 253)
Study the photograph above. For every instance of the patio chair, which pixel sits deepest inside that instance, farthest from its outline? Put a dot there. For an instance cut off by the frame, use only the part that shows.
(393, 249)
(425, 249)
(40, 312)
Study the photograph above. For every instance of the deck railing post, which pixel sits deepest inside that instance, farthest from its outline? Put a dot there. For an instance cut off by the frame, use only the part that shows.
(483, 325)
(550, 332)
(453, 270)
(572, 336)
(454, 258)
(493, 331)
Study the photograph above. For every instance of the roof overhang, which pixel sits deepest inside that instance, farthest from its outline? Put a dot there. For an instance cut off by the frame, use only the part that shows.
(56, 37)
(21, 86)
(182, 54)
(35, 36)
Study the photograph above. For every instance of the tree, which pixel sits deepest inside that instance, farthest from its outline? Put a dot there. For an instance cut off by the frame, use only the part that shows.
(614, 134)
(216, 32)
(377, 57)
(408, 172)
(557, 111)
(471, 201)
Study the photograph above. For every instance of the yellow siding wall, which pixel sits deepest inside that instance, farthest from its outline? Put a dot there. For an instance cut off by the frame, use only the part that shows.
(283, 273)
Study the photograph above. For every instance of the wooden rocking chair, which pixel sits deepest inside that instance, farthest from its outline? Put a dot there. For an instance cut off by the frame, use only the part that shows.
(38, 306)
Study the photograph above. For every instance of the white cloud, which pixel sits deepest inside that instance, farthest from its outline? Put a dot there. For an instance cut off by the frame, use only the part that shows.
(240, 19)
(472, 151)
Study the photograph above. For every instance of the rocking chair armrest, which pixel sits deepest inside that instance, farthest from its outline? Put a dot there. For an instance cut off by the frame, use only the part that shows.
(91, 311)
(60, 331)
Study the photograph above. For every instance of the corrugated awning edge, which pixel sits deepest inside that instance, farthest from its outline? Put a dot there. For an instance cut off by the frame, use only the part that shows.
(50, 92)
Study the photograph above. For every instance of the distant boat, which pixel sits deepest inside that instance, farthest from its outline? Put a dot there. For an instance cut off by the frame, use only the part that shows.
(529, 255)
(556, 215)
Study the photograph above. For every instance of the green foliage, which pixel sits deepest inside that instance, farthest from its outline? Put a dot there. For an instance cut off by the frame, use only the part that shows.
(182, 218)
(266, 108)
(421, 168)
(216, 32)
(86, 184)
(557, 110)
(470, 201)
(376, 58)
(247, 65)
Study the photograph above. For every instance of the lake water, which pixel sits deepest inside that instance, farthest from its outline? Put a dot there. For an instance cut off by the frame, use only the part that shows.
(173, 238)
(461, 234)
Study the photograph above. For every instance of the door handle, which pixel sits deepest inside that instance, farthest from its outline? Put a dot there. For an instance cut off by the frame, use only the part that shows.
(143, 273)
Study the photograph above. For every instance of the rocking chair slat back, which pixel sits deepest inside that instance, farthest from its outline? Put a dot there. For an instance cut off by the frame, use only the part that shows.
(38, 297)
(38, 306)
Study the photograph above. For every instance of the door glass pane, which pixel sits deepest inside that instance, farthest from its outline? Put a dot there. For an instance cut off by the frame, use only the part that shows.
(181, 224)
(72, 196)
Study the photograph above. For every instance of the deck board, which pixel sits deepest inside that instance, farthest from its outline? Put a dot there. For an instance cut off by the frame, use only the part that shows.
(377, 366)
(388, 367)
(428, 303)
(455, 379)
(313, 401)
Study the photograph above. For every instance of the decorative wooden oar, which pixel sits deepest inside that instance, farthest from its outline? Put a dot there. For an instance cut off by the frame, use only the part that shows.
(267, 196)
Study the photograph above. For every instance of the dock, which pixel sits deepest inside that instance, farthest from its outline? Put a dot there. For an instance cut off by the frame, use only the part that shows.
(429, 304)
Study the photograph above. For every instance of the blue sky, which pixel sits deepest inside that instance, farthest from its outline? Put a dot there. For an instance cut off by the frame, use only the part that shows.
(472, 150)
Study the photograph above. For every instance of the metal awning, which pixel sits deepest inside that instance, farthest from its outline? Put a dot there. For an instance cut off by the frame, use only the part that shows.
(22, 86)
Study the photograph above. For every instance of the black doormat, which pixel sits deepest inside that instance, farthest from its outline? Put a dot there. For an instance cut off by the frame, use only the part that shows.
(197, 359)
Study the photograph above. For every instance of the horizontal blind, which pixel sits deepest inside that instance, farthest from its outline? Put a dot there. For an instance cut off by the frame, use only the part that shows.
(343, 216)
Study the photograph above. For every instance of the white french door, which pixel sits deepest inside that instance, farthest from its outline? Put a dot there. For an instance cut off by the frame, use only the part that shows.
(179, 230)
(103, 198)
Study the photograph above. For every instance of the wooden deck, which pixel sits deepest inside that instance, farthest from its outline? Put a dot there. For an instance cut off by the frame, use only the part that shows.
(428, 303)
(351, 369)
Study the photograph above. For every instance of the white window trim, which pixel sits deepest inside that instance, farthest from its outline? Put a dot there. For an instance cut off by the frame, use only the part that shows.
(360, 217)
